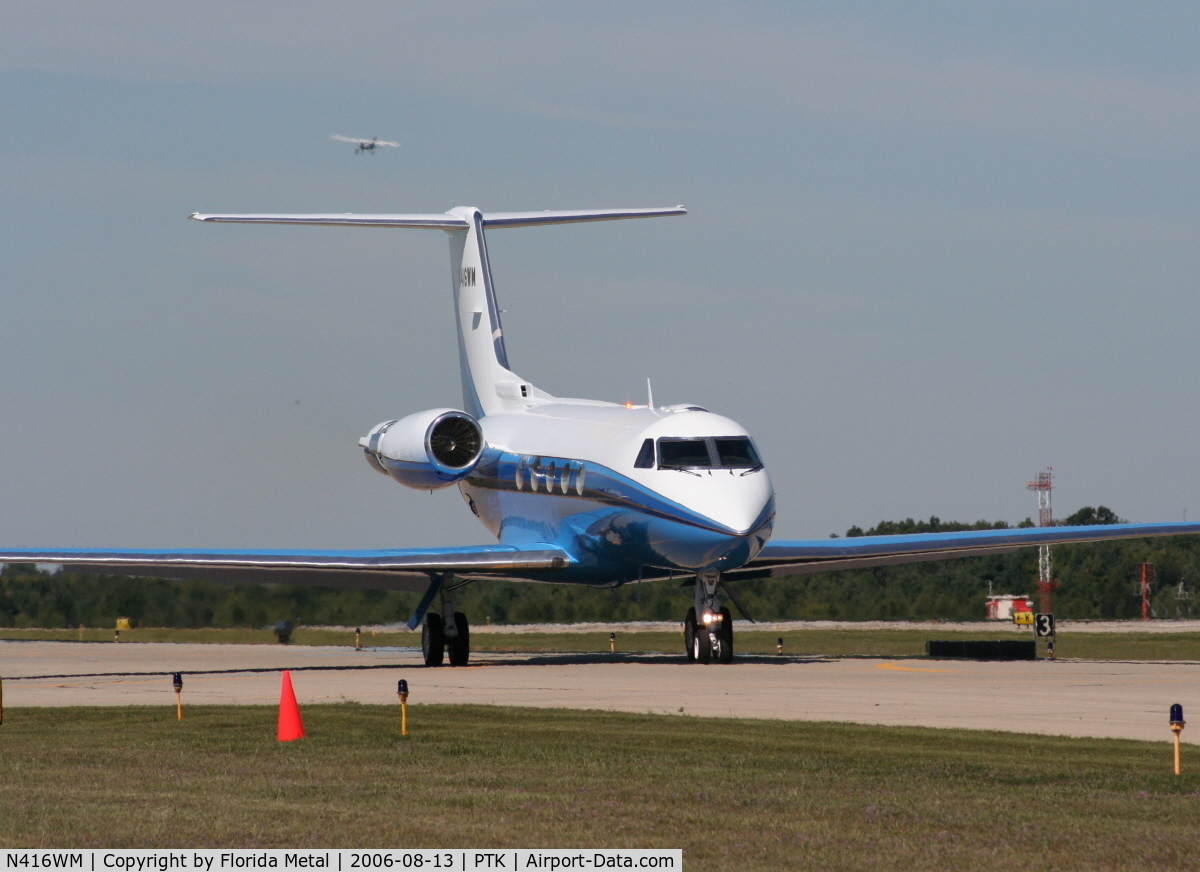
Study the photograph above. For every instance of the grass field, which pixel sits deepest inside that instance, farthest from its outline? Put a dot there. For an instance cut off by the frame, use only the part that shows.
(768, 795)
(842, 643)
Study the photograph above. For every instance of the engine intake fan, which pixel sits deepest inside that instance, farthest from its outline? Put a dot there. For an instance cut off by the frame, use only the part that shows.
(455, 440)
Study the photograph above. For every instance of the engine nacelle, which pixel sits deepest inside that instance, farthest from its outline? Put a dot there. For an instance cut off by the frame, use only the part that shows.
(427, 450)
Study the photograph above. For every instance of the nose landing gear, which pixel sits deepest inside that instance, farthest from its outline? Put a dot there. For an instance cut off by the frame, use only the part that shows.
(708, 626)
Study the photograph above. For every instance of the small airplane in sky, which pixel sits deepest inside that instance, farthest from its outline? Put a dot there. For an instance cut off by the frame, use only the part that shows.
(575, 491)
(363, 143)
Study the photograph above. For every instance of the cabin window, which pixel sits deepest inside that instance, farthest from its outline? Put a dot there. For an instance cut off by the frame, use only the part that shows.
(737, 452)
(645, 458)
(683, 454)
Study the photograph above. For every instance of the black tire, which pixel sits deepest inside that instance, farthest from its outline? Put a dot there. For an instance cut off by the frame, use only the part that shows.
(725, 637)
(689, 633)
(433, 639)
(460, 646)
(702, 645)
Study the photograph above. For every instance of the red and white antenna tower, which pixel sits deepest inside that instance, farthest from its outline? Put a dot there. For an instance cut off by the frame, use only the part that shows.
(1144, 585)
(1043, 484)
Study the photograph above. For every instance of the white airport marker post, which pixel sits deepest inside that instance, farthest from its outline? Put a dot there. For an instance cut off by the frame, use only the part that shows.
(1177, 725)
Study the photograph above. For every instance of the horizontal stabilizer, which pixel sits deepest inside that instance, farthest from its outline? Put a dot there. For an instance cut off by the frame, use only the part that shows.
(535, 219)
(445, 221)
(436, 222)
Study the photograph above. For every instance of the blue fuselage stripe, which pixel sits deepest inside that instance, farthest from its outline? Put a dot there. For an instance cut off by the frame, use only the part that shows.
(610, 525)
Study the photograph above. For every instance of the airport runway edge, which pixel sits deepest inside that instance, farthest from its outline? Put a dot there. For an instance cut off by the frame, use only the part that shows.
(1100, 699)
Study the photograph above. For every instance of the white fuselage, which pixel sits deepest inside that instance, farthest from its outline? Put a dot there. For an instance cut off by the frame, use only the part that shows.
(567, 472)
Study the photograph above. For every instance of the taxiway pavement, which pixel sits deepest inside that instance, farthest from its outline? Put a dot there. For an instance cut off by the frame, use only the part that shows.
(1109, 699)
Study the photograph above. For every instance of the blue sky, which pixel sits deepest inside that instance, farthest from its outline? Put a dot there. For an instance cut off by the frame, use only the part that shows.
(931, 249)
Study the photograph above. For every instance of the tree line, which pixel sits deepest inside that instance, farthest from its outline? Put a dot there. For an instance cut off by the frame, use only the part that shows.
(1095, 581)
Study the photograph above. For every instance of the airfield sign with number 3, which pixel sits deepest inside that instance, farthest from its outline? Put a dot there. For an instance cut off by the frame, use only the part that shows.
(1043, 625)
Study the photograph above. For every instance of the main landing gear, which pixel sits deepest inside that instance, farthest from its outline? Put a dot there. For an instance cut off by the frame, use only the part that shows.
(708, 626)
(440, 636)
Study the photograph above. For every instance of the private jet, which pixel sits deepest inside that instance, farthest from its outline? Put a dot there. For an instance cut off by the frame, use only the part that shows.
(573, 491)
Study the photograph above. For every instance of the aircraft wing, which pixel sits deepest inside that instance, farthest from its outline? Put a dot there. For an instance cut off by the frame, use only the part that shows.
(804, 557)
(408, 569)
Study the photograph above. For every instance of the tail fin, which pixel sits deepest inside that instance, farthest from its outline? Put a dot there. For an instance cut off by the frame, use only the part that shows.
(489, 385)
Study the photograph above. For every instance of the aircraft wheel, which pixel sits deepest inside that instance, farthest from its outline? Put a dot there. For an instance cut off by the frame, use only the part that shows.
(460, 646)
(725, 637)
(689, 635)
(433, 639)
(702, 645)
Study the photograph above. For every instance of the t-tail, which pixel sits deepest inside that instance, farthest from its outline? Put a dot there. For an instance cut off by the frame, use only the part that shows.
(489, 384)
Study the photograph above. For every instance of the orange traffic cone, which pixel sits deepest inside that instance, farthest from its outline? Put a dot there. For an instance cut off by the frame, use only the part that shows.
(290, 725)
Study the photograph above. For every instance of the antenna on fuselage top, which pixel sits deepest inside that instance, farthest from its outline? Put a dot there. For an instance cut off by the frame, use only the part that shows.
(649, 395)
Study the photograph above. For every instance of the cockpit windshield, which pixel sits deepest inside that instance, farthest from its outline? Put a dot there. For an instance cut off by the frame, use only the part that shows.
(683, 454)
(721, 452)
(737, 452)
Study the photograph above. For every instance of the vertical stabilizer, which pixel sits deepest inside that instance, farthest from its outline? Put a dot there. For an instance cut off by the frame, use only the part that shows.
(489, 386)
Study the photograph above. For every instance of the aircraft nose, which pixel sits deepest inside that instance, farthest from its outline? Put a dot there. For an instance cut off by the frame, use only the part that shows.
(741, 504)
